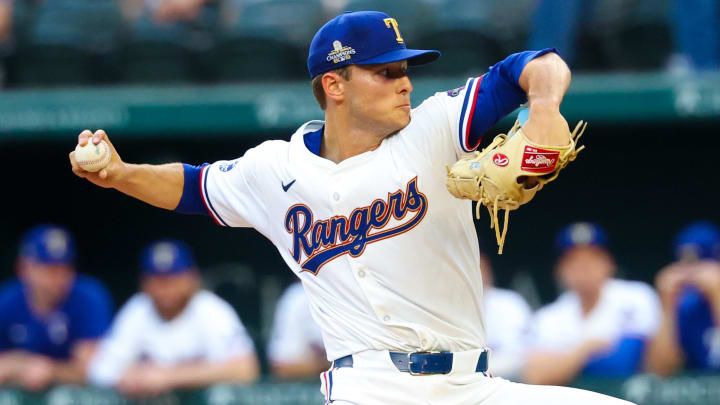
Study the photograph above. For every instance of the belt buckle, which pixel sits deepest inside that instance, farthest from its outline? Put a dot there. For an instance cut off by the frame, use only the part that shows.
(410, 362)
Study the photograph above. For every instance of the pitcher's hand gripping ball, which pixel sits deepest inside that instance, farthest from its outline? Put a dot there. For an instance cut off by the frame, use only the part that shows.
(508, 173)
(93, 157)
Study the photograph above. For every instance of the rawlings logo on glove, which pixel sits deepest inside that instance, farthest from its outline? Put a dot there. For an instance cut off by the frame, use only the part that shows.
(491, 177)
(539, 160)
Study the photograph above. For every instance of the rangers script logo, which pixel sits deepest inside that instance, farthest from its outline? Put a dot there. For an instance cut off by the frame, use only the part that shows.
(323, 240)
(539, 160)
(500, 160)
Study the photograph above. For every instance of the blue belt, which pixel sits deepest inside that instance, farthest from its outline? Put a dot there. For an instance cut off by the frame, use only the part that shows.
(417, 363)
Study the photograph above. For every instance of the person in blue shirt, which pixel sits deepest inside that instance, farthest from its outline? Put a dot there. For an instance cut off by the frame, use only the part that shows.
(50, 317)
(690, 293)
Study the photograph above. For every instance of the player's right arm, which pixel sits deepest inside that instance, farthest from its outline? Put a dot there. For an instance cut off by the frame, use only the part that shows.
(158, 185)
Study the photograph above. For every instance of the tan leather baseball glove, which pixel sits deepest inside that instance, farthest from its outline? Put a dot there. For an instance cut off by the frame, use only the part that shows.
(508, 173)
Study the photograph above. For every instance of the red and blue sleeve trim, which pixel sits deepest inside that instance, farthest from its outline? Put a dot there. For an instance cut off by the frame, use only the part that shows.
(465, 131)
(206, 198)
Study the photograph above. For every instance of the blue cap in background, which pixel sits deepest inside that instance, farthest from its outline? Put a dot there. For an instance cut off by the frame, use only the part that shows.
(361, 38)
(699, 240)
(48, 244)
(166, 256)
(581, 234)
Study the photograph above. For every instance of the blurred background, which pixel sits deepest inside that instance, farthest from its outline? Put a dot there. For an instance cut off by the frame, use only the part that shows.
(203, 80)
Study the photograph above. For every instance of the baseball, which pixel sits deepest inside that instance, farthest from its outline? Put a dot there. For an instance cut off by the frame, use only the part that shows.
(92, 157)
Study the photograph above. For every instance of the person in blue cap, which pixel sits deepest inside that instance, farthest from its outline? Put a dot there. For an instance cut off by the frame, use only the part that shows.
(50, 316)
(689, 288)
(601, 325)
(358, 208)
(173, 334)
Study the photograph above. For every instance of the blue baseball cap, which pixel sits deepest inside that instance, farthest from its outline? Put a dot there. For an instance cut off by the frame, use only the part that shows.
(361, 38)
(581, 234)
(166, 257)
(48, 244)
(699, 240)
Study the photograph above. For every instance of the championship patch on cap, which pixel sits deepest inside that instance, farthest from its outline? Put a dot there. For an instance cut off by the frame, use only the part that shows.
(537, 160)
(340, 53)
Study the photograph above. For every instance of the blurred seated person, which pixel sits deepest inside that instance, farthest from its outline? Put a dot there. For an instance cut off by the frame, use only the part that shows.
(689, 290)
(164, 11)
(173, 334)
(50, 317)
(295, 349)
(600, 325)
(507, 317)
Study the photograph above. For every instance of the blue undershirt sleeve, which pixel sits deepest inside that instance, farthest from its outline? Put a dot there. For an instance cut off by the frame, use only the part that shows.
(500, 92)
(191, 201)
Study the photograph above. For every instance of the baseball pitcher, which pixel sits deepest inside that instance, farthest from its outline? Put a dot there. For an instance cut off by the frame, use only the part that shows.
(358, 206)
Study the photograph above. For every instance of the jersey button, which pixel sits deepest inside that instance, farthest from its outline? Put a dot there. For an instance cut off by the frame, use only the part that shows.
(361, 273)
(386, 318)
(336, 196)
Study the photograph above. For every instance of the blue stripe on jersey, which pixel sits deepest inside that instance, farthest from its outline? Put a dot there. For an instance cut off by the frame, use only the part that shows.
(191, 201)
(499, 94)
(330, 390)
(208, 204)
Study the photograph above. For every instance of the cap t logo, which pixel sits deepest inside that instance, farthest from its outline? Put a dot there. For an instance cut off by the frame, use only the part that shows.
(391, 22)
(340, 53)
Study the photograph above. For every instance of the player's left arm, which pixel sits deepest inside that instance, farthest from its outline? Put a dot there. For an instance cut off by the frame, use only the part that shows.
(545, 80)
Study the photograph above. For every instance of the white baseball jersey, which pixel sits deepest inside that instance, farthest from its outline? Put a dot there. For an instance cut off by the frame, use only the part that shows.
(624, 309)
(388, 257)
(508, 319)
(295, 336)
(208, 330)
